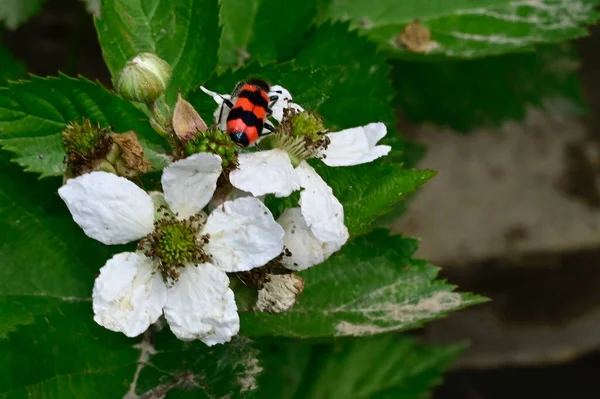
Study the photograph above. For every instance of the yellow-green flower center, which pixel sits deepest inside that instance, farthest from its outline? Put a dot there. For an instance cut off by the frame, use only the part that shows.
(301, 135)
(174, 244)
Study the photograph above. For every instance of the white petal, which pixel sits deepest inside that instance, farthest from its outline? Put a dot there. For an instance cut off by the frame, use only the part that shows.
(189, 184)
(109, 208)
(323, 213)
(201, 306)
(243, 235)
(355, 146)
(306, 249)
(265, 172)
(222, 110)
(284, 101)
(128, 297)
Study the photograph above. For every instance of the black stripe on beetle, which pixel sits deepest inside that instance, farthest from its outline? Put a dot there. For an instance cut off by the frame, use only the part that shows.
(255, 98)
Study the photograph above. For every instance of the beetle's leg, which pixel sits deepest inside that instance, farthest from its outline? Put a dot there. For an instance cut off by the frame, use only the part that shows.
(269, 127)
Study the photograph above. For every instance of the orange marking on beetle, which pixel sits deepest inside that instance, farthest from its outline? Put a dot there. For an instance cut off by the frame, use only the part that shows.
(260, 112)
(245, 104)
(250, 87)
(252, 133)
(236, 125)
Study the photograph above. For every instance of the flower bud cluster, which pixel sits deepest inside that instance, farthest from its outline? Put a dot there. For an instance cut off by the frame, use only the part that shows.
(215, 142)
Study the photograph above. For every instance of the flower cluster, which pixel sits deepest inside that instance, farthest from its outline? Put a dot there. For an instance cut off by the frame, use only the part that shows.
(209, 220)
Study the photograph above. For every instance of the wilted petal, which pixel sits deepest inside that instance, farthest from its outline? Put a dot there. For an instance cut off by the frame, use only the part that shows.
(323, 213)
(355, 146)
(128, 297)
(222, 109)
(306, 249)
(265, 172)
(109, 208)
(201, 306)
(279, 294)
(284, 101)
(189, 184)
(243, 235)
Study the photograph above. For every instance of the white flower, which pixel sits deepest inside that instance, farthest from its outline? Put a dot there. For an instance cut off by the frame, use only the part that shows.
(283, 170)
(129, 294)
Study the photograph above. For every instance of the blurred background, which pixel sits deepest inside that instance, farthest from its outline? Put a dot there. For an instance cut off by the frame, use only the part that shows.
(514, 213)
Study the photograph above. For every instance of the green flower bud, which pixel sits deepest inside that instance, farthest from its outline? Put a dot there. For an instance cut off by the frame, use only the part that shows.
(189, 149)
(144, 78)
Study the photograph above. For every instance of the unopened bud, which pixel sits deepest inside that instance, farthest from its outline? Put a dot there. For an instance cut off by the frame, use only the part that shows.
(186, 121)
(144, 78)
(279, 293)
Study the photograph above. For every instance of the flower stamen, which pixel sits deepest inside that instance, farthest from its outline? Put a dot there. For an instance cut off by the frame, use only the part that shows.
(175, 243)
(301, 135)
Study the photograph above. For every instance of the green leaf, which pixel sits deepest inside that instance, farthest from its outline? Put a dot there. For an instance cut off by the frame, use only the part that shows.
(546, 76)
(362, 95)
(16, 12)
(279, 29)
(470, 28)
(309, 87)
(392, 366)
(64, 354)
(372, 286)
(34, 113)
(192, 370)
(237, 20)
(264, 30)
(369, 191)
(185, 33)
(12, 69)
(46, 259)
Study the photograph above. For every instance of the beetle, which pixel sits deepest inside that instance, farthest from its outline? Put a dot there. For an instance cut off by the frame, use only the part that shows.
(248, 117)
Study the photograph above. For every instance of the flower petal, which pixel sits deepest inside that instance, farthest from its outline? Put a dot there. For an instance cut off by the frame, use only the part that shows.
(284, 101)
(265, 172)
(355, 146)
(306, 249)
(279, 293)
(189, 184)
(201, 306)
(243, 235)
(109, 208)
(128, 297)
(222, 110)
(323, 213)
